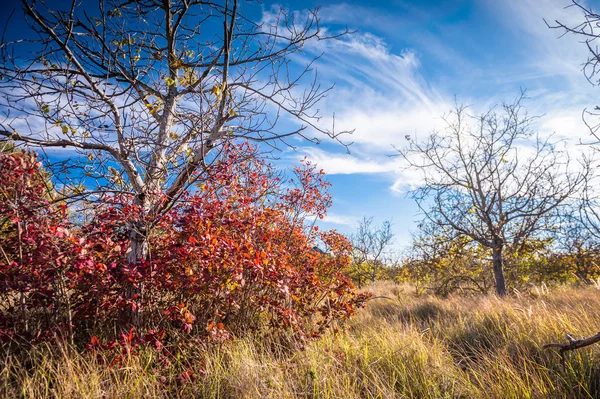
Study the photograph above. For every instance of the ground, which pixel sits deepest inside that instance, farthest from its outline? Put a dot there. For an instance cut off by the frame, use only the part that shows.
(400, 346)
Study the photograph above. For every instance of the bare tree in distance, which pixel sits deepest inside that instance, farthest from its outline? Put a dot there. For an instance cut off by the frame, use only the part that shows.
(491, 178)
(145, 91)
(370, 249)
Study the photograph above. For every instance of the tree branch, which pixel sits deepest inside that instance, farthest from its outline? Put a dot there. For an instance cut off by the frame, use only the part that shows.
(573, 344)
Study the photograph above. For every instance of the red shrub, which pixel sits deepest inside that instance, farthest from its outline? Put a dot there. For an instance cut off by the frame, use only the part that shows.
(234, 256)
(39, 253)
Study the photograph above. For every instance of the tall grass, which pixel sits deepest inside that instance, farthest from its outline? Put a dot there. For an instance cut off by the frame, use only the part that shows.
(400, 346)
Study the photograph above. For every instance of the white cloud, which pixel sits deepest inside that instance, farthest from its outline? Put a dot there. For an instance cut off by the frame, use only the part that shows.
(380, 124)
(340, 220)
(343, 163)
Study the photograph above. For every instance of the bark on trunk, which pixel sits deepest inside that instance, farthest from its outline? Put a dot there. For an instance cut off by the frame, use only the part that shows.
(499, 271)
(138, 245)
(138, 251)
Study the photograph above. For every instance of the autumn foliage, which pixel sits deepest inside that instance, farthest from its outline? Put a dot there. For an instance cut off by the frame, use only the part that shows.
(443, 264)
(233, 256)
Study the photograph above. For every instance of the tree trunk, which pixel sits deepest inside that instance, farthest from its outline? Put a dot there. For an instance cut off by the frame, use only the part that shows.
(138, 251)
(499, 270)
(138, 245)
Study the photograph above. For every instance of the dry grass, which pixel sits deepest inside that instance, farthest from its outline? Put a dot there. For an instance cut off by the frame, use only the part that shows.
(401, 347)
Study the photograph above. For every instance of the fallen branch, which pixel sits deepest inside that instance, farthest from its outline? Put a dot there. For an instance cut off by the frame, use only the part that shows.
(573, 344)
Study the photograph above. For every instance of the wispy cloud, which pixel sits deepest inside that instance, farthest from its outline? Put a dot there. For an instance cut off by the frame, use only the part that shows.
(387, 92)
(333, 218)
(344, 163)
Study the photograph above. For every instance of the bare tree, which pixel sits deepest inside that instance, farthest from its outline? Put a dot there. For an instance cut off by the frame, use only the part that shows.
(144, 91)
(370, 248)
(490, 178)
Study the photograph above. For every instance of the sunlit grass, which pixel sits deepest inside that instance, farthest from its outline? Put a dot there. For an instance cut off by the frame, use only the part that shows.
(400, 346)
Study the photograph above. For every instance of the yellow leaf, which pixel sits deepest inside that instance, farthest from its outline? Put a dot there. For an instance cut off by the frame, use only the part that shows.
(189, 152)
(216, 90)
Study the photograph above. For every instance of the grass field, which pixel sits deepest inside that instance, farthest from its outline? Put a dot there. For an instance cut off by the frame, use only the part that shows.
(400, 346)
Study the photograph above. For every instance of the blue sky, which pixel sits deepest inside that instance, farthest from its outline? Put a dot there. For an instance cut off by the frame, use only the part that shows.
(402, 71)
(403, 68)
